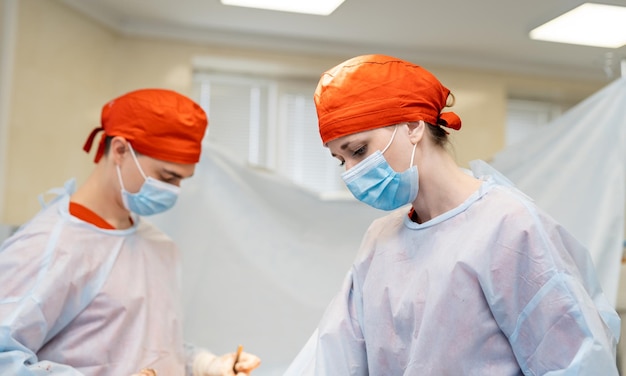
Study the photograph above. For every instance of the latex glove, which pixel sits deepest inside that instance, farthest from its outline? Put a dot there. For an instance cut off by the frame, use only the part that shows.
(146, 372)
(207, 364)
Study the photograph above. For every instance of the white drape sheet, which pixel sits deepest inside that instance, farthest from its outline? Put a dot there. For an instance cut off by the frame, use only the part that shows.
(263, 258)
(575, 169)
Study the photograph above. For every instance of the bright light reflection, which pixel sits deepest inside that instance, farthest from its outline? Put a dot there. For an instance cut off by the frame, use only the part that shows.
(318, 7)
(589, 24)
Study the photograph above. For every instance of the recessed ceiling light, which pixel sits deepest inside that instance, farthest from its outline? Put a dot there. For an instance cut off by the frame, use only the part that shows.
(589, 24)
(318, 7)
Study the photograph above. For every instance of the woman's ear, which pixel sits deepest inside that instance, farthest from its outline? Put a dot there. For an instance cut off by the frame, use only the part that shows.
(417, 130)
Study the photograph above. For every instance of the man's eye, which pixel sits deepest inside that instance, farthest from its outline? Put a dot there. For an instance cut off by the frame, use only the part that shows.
(170, 179)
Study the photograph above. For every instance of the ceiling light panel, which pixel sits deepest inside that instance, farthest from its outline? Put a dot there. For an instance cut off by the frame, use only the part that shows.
(589, 24)
(317, 7)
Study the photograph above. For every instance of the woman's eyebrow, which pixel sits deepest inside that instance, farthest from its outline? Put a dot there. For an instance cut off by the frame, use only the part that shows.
(342, 147)
(345, 145)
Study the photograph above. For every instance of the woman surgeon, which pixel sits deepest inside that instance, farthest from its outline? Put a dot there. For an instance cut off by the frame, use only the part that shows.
(468, 276)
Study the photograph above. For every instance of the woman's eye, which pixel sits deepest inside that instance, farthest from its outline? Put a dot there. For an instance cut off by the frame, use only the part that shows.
(360, 151)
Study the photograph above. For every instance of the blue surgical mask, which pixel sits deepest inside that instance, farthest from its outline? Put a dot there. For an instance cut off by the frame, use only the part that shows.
(153, 197)
(375, 183)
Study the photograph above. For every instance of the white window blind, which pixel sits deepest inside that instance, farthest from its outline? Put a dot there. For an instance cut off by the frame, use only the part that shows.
(272, 124)
(238, 116)
(524, 117)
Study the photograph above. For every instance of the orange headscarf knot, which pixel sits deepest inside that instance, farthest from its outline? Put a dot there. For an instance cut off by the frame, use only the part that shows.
(450, 120)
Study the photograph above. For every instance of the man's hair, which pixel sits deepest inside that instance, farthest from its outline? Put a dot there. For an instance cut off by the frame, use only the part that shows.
(107, 146)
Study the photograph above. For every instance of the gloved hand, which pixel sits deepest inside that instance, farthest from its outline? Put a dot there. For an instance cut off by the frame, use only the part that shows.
(207, 364)
(146, 372)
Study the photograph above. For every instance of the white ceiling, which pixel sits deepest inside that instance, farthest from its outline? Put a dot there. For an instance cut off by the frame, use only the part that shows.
(485, 34)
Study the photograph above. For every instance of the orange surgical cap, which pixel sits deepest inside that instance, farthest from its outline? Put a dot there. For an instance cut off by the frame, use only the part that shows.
(159, 123)
(374, 91)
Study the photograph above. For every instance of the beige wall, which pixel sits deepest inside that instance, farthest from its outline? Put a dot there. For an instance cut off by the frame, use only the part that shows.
(62, 68)
(8, 25)
(67, 66)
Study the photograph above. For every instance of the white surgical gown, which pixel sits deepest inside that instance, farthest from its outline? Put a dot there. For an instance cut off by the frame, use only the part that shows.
(79, 300)
(492, 287)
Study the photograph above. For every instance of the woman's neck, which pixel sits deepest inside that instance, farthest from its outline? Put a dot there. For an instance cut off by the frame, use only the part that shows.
(443, 186)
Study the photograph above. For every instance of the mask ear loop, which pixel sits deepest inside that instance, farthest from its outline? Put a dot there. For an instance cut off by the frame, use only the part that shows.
(119, 177)
(413, 155)
(390, 141)
(119, 173)
(132, 152)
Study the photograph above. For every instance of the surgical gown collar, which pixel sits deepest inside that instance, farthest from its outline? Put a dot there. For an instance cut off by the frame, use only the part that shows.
(486, 185)
(63, 204)
(490, 177)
